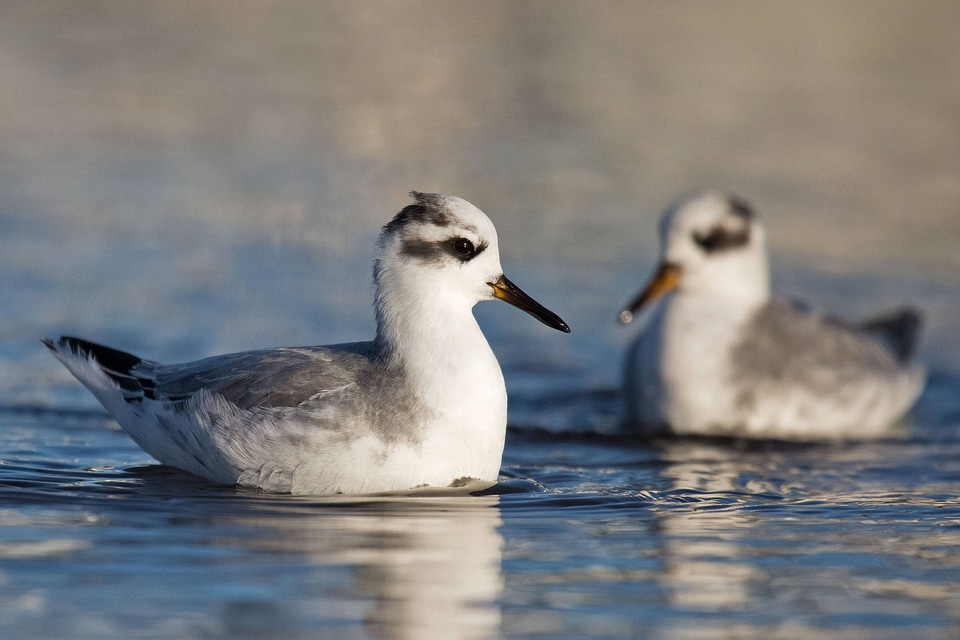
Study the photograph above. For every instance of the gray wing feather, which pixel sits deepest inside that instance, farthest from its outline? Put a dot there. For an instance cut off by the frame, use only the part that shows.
(790, 343)
(271, 378)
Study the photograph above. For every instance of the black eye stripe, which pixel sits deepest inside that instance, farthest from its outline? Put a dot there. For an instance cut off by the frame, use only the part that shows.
(721, 239)
(458, 247)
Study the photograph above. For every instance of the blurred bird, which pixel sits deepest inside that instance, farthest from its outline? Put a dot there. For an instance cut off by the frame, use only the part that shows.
(421, 405)
(719, 356)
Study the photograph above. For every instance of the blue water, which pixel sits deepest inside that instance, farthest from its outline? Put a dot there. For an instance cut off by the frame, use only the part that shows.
(586, 536)
(186, 180)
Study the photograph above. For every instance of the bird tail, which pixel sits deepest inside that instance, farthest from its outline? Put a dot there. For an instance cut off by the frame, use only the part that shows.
(119, 366)
(898, 329)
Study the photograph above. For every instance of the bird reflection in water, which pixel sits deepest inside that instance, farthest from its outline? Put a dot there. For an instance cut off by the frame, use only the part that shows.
(406, 567)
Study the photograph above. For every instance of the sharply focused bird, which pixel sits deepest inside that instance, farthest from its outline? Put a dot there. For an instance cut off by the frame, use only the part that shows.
(421, 405)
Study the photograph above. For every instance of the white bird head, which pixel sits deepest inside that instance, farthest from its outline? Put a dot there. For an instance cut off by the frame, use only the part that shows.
(710, 243)
(441, 252)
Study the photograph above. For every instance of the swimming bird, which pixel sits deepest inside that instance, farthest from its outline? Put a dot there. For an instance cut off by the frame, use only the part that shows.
(421, 405)
(720, 356)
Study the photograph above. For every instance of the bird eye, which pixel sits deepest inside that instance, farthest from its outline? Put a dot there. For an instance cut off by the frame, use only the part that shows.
(463, 247)
(721, 239)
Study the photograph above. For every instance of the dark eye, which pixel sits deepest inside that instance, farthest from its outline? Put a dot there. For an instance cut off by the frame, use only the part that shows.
(721, 239)
(463, 247)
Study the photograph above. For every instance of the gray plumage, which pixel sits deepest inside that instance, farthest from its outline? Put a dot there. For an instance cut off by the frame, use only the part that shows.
(720, 356)
(422, 404)
(786, 344)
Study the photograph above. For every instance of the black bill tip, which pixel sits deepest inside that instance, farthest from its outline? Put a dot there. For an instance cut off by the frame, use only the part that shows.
(510, 293)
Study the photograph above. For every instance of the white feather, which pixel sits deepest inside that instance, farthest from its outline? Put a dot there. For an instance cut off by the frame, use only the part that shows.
(719, 356)
(424, 404)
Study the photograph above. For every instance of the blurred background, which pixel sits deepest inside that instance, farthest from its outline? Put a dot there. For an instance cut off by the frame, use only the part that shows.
(185, 178)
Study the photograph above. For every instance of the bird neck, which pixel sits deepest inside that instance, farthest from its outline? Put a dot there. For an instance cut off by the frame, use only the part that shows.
(437, 342)
(740, 282)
